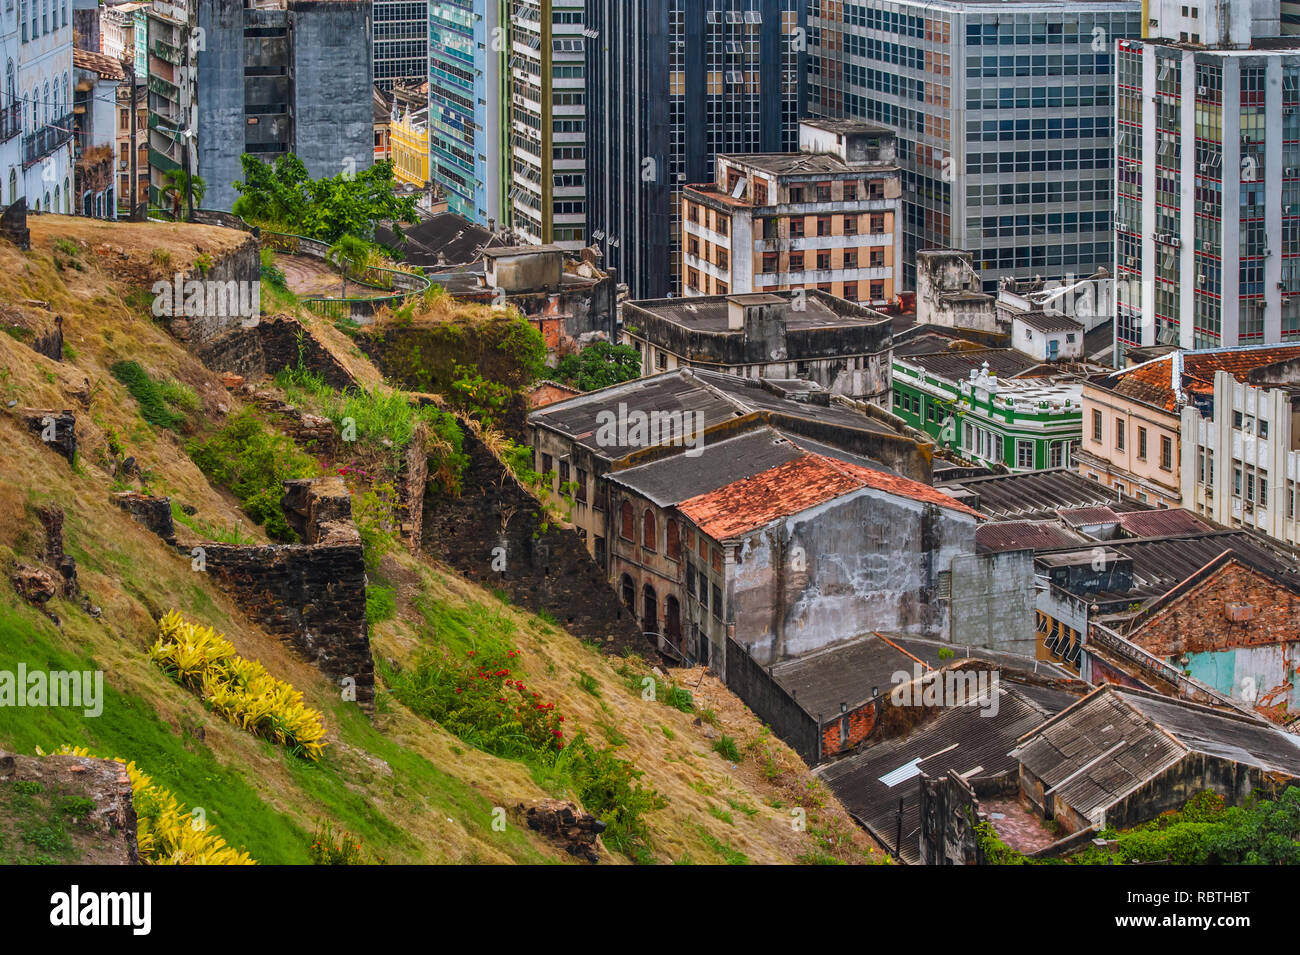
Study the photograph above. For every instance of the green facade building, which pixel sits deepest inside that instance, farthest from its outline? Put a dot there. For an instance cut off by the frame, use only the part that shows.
(991, 406)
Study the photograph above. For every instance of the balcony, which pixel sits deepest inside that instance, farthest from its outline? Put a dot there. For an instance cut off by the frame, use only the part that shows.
(163, 88)
(165, 51)
(38, 145)
(11, 121)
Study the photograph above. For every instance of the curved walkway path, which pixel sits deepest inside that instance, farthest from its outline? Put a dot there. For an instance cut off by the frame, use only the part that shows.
(309, 277)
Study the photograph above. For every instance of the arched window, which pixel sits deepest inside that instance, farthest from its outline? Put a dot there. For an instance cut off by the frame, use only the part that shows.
(628, 521)
(672, 541)
(67, 95)
(648, 529)
(56, 207)
(45, 103)
(13, 185)
(628, 590)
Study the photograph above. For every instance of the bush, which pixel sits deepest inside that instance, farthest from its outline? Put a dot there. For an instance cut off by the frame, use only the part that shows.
(334, 848)
(725, 746)
(254, 462)
(381, 603)
(609, 789)
(385, 422)
(480, 701)
(166, 833)
(600, 365)
(241, 690)
(158, 400)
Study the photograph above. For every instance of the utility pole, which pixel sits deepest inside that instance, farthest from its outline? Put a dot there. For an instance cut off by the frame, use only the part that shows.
(133, 189)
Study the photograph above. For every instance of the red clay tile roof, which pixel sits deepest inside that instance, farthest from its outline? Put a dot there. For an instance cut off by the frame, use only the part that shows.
(1151, 382)
(101, 63)
(797, 486)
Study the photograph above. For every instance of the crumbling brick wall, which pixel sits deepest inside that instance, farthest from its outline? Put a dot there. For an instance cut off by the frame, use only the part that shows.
(268, 347)
(1234, 607)
(540, 565)
(312, 594)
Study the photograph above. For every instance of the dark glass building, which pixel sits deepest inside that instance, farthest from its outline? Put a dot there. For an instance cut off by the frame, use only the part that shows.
(670, 84)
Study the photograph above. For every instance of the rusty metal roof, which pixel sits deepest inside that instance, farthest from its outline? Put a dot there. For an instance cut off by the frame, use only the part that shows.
(1025, 535)
(1038, 495)
(1163, 522)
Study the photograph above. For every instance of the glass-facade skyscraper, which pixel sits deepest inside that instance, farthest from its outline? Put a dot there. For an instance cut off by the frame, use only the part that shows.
(1005, 120)
(670, 85)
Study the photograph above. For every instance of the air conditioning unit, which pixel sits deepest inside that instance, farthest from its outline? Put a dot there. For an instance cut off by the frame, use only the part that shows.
(1200, 276)
(1202, 91)
(1205, 167)
(1174, 240)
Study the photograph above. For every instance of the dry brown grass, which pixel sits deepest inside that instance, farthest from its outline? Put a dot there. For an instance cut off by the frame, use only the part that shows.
(133, 577)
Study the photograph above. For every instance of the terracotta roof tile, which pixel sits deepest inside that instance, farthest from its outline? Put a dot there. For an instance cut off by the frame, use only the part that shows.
(1151, 382)
(797, 486)
(101, 63)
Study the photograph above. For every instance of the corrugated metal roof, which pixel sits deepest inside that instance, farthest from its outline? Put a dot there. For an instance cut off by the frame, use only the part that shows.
(959, 738)
(677, 478)
(844, 673)
(1098, 751)
(1025, 535)
(1038, 495)
(1117, 739)
(1163, 522)
(956, 365)
(1084, 516)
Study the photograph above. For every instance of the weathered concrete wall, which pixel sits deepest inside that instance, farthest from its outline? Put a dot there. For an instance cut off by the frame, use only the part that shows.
(1241, 630)
(333, 105)
(539, 564)
(1192, 774)
(949, 810)
(770, 703)
(867, 561)
(993, 601)
(220, 138)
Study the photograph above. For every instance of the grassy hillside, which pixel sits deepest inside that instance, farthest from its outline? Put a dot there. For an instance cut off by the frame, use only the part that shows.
(410, 789)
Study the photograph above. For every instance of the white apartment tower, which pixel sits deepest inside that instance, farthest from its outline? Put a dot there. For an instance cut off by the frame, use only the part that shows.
(1207, 250)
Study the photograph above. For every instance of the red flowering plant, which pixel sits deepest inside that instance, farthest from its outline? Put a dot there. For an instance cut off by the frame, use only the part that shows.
(484, 702)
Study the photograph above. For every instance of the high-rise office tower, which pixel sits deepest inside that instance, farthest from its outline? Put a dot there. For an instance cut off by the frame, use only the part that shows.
(401, 41)
(281, 76)
(1208, 177)
(670, 85)
(467, 39)
(545, 53)
(1004, 114)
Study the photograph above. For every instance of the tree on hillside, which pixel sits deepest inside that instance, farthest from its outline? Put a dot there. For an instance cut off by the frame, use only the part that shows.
(284, 196)
(600, 365)
(348, 254)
